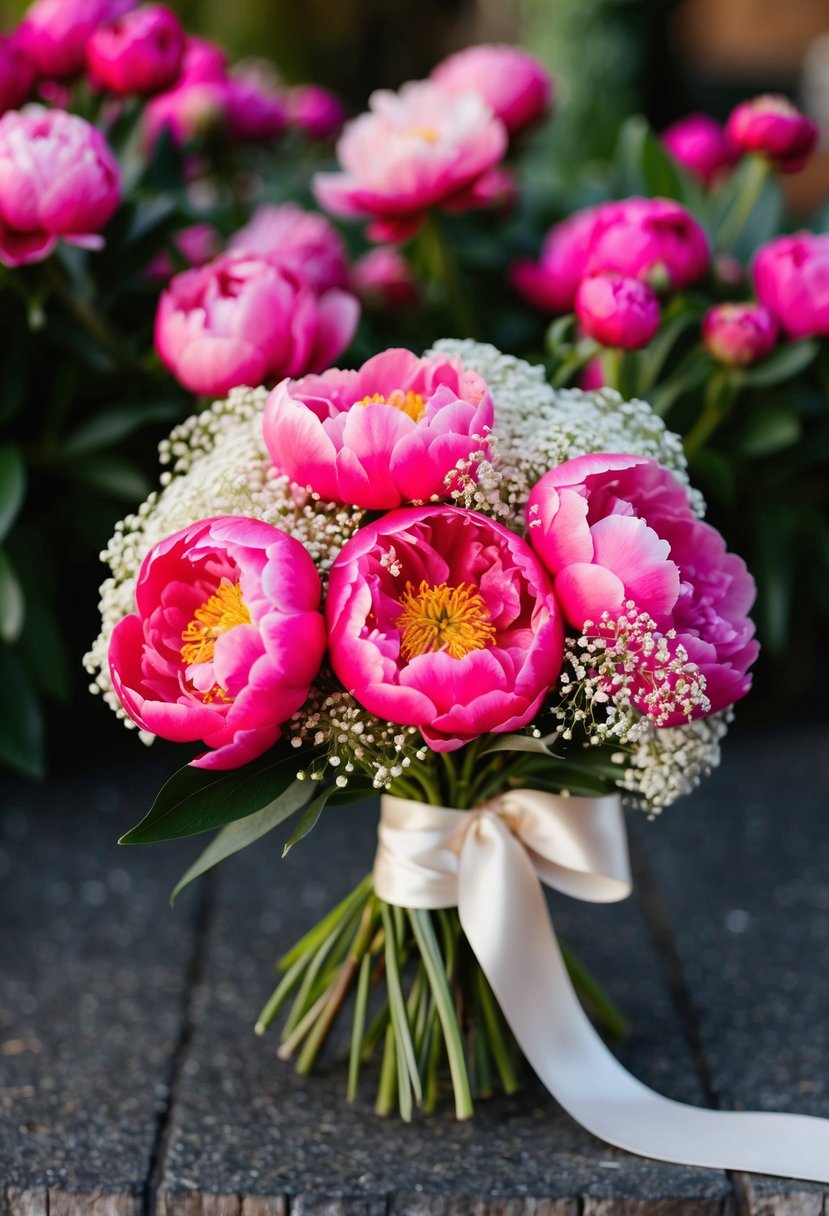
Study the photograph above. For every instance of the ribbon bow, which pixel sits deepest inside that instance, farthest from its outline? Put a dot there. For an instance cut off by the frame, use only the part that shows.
(488, 863)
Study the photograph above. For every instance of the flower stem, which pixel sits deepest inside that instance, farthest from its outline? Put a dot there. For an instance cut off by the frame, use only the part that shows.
(757, 171)
(444, 268)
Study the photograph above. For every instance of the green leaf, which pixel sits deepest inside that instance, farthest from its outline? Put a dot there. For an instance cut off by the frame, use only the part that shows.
(642, 164)
(43, 650)
(768, 429)
(197, 799)
(21, 718)
(309, 819)
(519, 743)
(12, 601)
(784, 364)
(237, 836)
(12, 487)
(114, 476)
(113, 425)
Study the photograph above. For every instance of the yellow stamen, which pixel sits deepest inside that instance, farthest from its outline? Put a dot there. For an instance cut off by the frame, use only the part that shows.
(408, 403)
(440, 617)
(222, 611)
(431, 135)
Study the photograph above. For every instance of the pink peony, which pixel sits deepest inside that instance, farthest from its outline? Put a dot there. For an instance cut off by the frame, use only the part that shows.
(195, 246)
(382, 279)
(516, 87)
(652, 239)
(413, 150)
(16, 72)
(202, 60)
(771, 126)
(242, 319)
(389, 433)
(55, 33)
(617, 311)
(739, 334)
(58, 180)
(613, 528)
(314, 111)
(791, 278)
(141, 52)
(442, 619)
(304, 241)
(591, 377)
(226, 639)
(190, 111)
(701, 145)
(551, 282)
(255, 109)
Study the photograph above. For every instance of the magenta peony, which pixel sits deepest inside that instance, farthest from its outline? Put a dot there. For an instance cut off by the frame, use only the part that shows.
(739, 334)
(202, 60)
(701, 145)
(304, 241)
(226, 639)
(413, 150)
(791, 278)
(382, 279)
(55, 33)
(771, 126)
(314, 111)
(255, 108)
(615, 528)
(58, 180)
(394, 431)
(551, 283)
(617, 311)
(516, 87)
(190, 111)
(652, 239)
(141, 52)
(16, 72)
(243, 319)
(441, 618)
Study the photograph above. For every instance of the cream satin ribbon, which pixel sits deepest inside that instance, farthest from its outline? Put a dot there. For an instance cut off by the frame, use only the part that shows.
(488, 863)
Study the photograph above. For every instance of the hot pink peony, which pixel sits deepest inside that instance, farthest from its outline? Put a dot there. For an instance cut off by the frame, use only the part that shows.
(612, 528)
(389, 433)
(382, 279)
(202, 60)
(516, 87)
(791, 277)
(226, 639)
(16, 72)
(700, 143)
(305, 241)
(243, 319)
(413, 150)
(141, 52)
(441, 618)
(551, 282)
(58, 180)
(55, 33)
(652, 239)
(771, 126)
(617, 311)
(255, 108)
(316, 112)
(191, 110)
(739, 334)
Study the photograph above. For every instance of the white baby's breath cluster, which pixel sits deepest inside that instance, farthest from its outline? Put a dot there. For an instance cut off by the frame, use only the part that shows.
(668, 763)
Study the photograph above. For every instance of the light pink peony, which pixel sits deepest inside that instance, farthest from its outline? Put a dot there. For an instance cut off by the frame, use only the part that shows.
(58, 180)
(612, 528)
(771, 126)
(516, 87)
(304, 241)
(243, 319)
(739, 334)
(413, 150)
(701, 145)
(226, 639)
(791, 278)
(441, 618)
(314, 111)
(141, 52)
(382, 279)
(55, 33)
(16, 72)
(652, 239)
(389, 433)
(617, 311)
(551, 283)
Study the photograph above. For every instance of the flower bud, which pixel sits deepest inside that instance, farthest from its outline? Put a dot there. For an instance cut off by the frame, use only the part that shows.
(139, 53)
(771, 126)
(738, 334)
(617, 310)
(700, 144)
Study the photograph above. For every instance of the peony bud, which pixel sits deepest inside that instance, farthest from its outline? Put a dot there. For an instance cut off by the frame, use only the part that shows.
(771, 126)
(140, 53)
(617, 310)
(700, 144)
(738, 334)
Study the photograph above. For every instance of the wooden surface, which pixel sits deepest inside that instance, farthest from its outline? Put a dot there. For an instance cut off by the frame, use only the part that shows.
(131, 1081)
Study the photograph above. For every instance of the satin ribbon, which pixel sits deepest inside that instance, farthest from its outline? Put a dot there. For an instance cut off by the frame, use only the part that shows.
(488, 863)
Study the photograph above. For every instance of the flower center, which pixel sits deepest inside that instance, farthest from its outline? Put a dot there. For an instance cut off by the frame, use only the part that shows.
(429, 135)
(222, 611)
(408, 403)
(440, 617)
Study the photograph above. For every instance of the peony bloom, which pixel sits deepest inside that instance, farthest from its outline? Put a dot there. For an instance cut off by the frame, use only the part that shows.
(739, 334)
(617, 311)
(141, 52)
(442, 619)
(55, 33)
(190, 111)
(652, 239)
(416, 149)
(304, 241)
(195, 246)
(226, 639)
(773, 127)
(382, 279)
(202, 60)
(58, 180)
(243, 319)
(616, 528)
(314, 111)
(701, 145)
(16, 72)
(591, 376)
(516, 87)
(391, 432)
(551, 282)
(255, 110)
(791, 278)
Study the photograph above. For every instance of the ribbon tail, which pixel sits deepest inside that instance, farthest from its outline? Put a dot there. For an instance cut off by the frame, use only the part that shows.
(504, 915)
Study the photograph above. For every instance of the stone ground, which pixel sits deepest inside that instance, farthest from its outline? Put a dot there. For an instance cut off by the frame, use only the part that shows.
(131, 1082)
